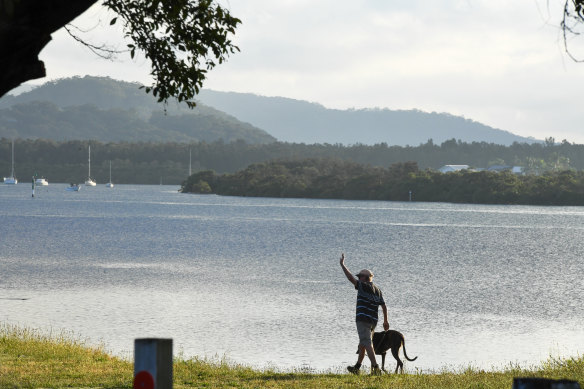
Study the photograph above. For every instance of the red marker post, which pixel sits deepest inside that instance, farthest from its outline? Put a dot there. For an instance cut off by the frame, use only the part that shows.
(153, 363)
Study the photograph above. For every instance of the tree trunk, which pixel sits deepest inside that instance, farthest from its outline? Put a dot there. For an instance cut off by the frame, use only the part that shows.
(25, 28)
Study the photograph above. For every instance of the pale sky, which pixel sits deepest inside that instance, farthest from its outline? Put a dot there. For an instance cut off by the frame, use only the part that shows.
(499, 62)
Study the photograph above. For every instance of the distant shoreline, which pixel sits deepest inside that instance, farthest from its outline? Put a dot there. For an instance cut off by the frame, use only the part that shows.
(343, 180)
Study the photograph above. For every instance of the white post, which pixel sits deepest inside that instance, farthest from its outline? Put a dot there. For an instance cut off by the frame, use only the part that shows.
(152, 363)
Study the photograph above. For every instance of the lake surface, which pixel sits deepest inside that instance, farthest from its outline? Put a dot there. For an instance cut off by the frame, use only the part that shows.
(257, 281)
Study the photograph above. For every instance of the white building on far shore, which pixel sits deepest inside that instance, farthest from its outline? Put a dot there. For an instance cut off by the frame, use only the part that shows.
(452, 168)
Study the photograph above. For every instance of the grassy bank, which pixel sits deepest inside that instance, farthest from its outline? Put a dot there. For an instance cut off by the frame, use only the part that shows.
(29, 359)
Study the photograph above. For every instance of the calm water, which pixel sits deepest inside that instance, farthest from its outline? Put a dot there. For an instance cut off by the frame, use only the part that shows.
(257, 281)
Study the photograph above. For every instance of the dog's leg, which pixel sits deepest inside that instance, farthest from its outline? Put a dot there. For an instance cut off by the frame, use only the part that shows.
(400, 364)
(383, 361)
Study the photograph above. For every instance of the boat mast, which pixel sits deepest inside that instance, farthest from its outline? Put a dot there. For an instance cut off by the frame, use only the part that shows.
(89, 159)
(12, 172)
(190, 163)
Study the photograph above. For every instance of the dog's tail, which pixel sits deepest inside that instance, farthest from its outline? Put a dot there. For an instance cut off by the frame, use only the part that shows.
(405, 354)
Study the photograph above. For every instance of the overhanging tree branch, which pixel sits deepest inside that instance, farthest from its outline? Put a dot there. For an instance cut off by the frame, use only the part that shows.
(182, 38)
(572, 22)
(102, 51)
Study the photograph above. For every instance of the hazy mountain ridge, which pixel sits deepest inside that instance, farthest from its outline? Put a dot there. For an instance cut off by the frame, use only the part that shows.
(107, 110)
(299, 121)
(62, 110)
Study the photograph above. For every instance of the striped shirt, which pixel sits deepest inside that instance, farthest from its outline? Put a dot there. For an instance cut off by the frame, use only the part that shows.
(369, 298)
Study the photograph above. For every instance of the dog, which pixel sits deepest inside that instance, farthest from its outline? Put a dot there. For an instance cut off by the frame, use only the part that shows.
(390, 340)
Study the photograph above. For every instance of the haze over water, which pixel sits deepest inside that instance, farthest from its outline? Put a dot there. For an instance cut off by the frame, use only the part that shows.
(257, 281)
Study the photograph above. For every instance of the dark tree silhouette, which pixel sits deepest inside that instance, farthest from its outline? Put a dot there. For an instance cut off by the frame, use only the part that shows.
(25, 29)
(182, 38)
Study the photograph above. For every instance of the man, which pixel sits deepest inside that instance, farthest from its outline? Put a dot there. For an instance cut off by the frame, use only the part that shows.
(369, 298)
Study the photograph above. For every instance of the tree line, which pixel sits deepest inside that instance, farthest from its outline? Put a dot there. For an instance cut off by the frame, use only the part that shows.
(338, 179)
(151, 163)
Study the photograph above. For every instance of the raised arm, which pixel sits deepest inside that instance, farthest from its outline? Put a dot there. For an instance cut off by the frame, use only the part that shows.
(347, 272)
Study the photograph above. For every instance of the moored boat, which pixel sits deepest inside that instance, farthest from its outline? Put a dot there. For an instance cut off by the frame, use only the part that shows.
(73, 188)
(110, 184)
(90, 181)
(11, 180)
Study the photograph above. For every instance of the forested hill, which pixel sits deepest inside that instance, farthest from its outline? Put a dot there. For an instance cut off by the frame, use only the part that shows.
(300, 121)
(106, 110)
(337, 179)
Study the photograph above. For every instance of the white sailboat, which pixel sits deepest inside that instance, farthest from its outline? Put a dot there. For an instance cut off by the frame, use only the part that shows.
(110, 184)
(89, 181)
(11, 180)
(41, 181)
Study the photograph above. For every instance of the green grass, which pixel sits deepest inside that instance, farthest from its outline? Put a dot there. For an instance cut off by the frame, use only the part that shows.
(31, 359)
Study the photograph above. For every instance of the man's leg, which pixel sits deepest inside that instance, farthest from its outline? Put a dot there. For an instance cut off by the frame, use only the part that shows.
(370, 354)
(365, 331)
(355, 369)
(361, 354)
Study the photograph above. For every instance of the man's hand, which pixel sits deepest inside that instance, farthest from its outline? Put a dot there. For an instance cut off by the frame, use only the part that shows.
(346, 271)
(385, 321)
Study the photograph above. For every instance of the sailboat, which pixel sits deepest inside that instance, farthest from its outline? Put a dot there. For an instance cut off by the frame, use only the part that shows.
(110, 184)
(11, 180)
(89, 181)
(42, 181)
